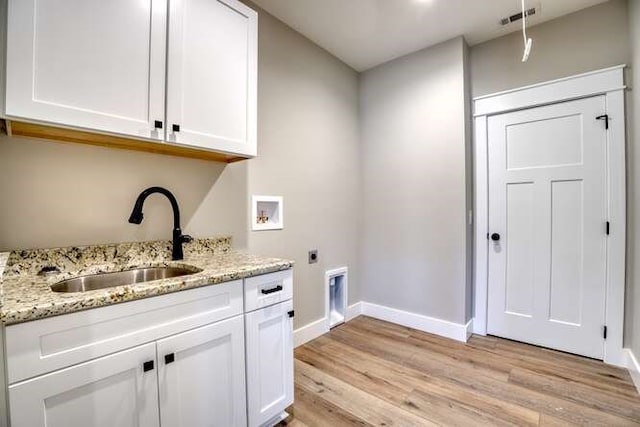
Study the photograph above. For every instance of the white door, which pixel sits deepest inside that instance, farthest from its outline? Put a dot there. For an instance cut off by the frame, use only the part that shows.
(212, 75)
(547, 206)
(91, 64)
(269, 362)
(116, 390)
(202, 376)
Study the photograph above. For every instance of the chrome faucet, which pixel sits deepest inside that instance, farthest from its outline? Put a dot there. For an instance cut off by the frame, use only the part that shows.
(178, 237)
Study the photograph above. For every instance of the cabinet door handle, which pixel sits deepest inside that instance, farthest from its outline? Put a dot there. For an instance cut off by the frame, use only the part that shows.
(272, 290)
(175, 127)
(147, 366)
(157, 124)
(292, 313)
(169, 358)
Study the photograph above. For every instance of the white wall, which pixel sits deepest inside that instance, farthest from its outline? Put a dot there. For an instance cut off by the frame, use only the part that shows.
(414, 231)
(65, 194)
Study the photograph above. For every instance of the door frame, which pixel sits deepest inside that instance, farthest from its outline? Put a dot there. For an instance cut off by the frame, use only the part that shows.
(610, 83)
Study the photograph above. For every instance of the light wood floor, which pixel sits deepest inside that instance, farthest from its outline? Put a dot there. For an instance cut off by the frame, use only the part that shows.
(370, 372)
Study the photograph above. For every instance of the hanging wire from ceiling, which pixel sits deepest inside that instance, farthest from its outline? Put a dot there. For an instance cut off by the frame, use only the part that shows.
(527, 41)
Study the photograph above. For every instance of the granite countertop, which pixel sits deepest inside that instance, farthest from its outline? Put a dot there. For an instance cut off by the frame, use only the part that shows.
(25, 295)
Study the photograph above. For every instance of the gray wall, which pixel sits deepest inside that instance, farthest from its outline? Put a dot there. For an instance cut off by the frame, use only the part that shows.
(64, 194)
(632, 337)
(413, 241)
(590, 39)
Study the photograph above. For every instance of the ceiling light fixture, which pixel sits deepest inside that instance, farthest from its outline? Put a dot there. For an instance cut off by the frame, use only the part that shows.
(527, 41)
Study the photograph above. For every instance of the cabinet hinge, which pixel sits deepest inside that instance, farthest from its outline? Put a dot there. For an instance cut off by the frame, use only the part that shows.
(291, 313)
(604, 332)
(607, 226)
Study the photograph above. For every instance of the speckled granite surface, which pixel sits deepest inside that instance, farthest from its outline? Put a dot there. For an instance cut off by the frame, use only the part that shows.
(24, 295)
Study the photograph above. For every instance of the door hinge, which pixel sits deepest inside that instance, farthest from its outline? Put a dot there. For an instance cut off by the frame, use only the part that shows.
(604, 117)
(604, 332)
(607, 227)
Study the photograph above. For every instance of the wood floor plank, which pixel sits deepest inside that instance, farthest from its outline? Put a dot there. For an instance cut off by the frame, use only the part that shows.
(359, 403)
(406, 350)
(338, 358)
(578, 393)
(601, 376)
(370, 372)
(313, 410)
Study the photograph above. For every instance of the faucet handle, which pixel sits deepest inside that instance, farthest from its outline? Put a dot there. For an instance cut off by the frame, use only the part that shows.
(185, 238)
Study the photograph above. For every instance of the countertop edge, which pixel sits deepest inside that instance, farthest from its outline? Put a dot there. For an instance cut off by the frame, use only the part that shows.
(129, 293)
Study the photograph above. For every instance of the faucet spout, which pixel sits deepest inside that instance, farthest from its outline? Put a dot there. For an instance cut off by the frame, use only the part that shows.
(178, 238)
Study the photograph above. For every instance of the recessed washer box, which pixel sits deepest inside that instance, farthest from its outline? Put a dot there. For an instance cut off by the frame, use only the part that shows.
(267, 213)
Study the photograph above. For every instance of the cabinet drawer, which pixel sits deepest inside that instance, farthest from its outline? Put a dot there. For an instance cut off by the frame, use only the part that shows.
(42, 346)
(268, 289)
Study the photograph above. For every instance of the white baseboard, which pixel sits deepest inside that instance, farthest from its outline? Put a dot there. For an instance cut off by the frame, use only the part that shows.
(634, 367)
(353, 311)
(468, 329)
(456, 331)
(420, 322)
(311, 331)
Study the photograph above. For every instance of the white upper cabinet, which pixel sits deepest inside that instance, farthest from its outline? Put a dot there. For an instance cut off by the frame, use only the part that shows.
(212, 75)
(88, 64)
(182, 72)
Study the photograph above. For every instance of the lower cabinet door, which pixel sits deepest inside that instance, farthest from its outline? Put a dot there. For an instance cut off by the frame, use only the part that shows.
(115, 390)
(202, 376)
(269, 362)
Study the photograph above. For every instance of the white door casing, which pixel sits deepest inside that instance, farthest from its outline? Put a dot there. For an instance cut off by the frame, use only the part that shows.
(110, 391)
(547, 202)
(212, 75)
(202, 376)
(111, 79)
(609, 84)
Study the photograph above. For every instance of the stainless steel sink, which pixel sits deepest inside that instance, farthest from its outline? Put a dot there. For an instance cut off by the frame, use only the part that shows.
(121, 278)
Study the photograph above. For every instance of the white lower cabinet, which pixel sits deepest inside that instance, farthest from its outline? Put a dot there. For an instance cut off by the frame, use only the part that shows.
(114, 390)
(201, 376)
(186, 359)
(269, 333)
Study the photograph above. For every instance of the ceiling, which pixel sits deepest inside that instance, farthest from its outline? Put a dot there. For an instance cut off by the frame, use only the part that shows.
(366, 33)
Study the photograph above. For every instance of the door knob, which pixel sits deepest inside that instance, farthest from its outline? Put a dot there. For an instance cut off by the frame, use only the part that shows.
(495, 237)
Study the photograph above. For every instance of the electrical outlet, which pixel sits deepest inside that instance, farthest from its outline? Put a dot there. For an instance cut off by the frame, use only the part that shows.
(313, 256)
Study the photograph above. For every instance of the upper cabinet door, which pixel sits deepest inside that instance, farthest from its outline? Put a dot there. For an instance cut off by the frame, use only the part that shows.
(212, 75)
(90, 64)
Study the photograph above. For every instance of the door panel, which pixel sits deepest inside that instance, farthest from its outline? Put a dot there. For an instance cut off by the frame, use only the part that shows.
(567, 255)
(547, 200)
(109, 79)
(110, 391)
(212, 81)
(203, 381)
(520, 265)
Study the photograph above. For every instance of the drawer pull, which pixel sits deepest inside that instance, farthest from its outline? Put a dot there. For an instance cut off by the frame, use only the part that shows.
(272, 290)
(169, 358)
(147, 366)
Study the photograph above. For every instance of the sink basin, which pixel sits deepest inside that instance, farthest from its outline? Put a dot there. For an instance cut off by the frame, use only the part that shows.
(121, 278)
